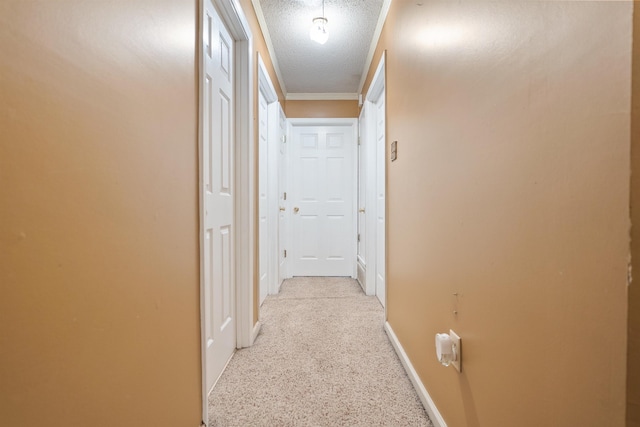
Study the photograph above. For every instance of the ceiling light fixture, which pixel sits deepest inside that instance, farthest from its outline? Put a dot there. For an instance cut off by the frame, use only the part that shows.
(318, 32)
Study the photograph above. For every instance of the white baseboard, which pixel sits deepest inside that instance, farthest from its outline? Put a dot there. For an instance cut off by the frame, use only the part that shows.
(255, 332)
(427, 402)
(361, 277)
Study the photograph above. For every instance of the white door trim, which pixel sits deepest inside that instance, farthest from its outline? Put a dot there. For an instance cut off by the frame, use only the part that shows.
(233, 16)
(264, 225)
(322, 122)
(378, 82)
(273, 202)
(423, 394)
(363, 170)
(376, 90)
(369, 141)
(298, 122)
(264, 82)
(287, 182)
(266, 88)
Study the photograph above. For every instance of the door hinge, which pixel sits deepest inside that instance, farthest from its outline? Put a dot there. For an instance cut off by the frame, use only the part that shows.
(358, 140)
(285, 253)
(285, 195)
(358, 237)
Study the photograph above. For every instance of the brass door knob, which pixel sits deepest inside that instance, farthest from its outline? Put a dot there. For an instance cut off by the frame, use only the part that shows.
(296, 210)
(281, 209)
(361, 210)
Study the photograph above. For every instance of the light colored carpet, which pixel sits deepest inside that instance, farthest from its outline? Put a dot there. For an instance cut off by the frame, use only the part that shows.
(321, 359)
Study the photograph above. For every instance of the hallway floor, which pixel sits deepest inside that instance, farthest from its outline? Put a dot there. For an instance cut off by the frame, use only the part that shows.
(321, 359)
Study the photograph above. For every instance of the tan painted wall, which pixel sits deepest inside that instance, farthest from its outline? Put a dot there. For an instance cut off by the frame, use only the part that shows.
(260, 47)
(322, 109)
(512, 121)
(633, 354)
(99, 313)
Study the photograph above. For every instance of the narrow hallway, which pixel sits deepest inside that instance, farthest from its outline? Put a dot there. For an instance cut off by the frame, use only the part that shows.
(321, 359)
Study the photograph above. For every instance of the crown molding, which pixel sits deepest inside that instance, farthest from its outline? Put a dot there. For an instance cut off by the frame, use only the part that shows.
(374, 42)
(322, 96)
(267, 39)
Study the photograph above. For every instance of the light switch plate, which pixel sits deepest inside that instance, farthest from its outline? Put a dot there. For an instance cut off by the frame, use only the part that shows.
(458, 343)
(394, 151)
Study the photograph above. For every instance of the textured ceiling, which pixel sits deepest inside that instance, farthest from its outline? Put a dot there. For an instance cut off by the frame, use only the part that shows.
(308, 67)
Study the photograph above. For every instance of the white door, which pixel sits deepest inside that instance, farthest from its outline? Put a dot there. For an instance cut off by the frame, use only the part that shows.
(362, 200)
(268, 113)
(323, 200)
(263, 203)
(282, 197)
(273, 148)
(218, 154)
(380, 200)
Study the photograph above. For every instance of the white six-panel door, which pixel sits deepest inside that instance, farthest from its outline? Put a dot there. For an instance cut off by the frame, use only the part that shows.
(323, 200)
(218, 194)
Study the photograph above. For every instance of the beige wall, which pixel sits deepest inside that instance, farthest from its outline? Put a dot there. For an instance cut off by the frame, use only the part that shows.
(526, 201)
(633, 355)
(512, 120)
(99, 263)
(322, 109)
(99, 276)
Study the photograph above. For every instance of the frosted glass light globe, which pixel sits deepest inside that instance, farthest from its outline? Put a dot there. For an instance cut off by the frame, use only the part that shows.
(318, 32)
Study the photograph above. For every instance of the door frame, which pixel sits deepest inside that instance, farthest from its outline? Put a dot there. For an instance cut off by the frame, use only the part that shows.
(264, 226)
(376, 90)
(363, 187)
(277, 137)
(266, 88)
(233, 16)
(284, 240)
(353, 122)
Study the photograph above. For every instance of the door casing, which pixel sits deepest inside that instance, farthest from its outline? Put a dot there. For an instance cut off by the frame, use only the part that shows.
(246, 326)
(264, 224)
(376, 165)
(268, 168)
(353, 123)
(282, 136)
(363, 169)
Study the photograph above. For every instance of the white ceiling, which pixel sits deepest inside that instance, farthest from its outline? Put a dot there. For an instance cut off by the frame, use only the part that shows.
(306, 67)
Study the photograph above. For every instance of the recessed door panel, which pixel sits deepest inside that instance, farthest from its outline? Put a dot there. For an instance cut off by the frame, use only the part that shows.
(335, 179)
(336, 239)
(208, 291)
(309, 184)
(309, 141)
(225, 144)
(309, 237)
(335, 141)
(225, 275)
